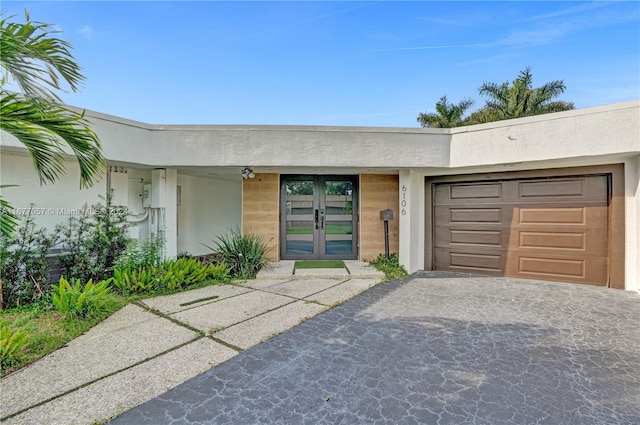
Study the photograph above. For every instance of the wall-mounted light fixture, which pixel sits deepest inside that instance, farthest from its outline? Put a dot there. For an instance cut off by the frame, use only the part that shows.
(247, 173)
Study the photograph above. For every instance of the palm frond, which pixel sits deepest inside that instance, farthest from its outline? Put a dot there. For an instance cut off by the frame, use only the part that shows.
(8, 220)
(44, 128)
(36, 60)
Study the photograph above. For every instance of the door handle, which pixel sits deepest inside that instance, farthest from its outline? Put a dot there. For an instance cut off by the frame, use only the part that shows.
(316, 218)
(321, 219)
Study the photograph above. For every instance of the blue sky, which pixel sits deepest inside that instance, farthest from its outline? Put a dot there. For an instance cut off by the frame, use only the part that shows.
(376, 63)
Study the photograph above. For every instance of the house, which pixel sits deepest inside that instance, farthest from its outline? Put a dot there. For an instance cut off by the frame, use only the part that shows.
(554, 196)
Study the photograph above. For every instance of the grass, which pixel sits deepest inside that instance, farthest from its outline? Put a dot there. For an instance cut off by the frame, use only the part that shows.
(320, 264)
(47, 330)
(390, 266)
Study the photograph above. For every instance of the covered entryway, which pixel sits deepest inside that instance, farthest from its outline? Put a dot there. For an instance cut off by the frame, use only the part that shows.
(552, 228)
(318, 217)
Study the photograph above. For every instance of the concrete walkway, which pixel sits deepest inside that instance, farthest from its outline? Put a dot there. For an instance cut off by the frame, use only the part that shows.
(151, 346)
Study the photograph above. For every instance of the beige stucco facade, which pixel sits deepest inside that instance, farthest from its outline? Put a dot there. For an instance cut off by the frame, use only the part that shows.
(202, 195)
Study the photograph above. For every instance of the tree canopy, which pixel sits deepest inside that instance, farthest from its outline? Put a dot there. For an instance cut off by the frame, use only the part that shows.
(504, 101)
(447, 114)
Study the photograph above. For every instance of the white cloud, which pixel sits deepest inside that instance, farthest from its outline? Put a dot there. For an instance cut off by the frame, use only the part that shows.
(86, 31)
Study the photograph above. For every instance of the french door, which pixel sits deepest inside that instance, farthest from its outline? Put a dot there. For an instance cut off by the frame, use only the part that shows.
(318, 217)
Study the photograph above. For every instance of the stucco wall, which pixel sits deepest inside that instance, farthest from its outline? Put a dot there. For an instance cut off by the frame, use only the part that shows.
(580, 133)
(632, 223)
(54, 203)
(377, 193)
(260, 203)
(208, 208)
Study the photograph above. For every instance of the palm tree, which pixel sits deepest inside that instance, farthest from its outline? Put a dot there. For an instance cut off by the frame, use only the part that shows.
(37, 62)
(520, 99)
(447, 114)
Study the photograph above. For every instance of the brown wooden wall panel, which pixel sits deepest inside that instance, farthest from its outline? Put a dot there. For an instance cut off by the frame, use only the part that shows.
(378, 192)
(260, 210)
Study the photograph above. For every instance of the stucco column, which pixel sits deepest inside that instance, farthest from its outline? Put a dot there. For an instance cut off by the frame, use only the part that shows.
(411, 219)
(171, 213)
(632, 220)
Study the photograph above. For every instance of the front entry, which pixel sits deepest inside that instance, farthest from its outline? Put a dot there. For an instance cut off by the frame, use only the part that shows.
(318, 217)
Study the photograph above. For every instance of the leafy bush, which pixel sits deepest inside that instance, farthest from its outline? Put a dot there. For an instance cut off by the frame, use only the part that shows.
(24, 271)
(11, 341)
(142, 254)
(131, 280)
(244, 254)
(169, 276)
(79, 300)
(184, 272)
(92, 242)
(390, 266)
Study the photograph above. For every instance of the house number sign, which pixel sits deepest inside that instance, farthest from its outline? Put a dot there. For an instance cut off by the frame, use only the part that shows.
(403, 202)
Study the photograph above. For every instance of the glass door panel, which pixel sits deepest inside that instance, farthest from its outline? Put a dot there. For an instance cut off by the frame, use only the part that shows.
(299, 221)
(338, 218)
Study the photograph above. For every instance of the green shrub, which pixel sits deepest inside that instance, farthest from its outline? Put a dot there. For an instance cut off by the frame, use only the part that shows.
(390, 266)
(132, 280)
(93, 241)
(11, 341)
(142, 254)
(169, 276)
(79, 300)
(24, 271)
(244, 254)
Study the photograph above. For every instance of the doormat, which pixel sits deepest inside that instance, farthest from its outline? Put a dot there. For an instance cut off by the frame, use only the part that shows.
(320, 264)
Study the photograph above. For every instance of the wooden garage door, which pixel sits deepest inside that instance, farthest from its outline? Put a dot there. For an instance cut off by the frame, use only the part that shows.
(552, 228)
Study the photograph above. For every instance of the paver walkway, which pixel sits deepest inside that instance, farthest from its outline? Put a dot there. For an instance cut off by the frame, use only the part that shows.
(150, 347)
(438, 349)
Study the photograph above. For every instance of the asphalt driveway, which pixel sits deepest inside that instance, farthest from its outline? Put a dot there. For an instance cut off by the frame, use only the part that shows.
(436, 349)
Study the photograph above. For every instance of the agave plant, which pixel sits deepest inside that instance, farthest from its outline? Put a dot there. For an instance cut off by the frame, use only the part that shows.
(244, 254)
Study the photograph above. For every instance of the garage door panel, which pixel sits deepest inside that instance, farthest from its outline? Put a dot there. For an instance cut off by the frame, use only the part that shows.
(592, 242)
(476, 237)
(474, 215)
(579, 270)
(585, 189)
(476, 191)
(484, 236)
(552, 228)
(550, 240)
(470, 262)
(551, 215)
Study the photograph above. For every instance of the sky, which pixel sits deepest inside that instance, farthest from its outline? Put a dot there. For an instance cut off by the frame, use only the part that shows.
(369, 63)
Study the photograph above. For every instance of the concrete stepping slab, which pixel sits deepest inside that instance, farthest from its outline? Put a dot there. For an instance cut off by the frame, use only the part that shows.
(343, 291)
(281, 270)
(263, 283)
(107, 398)
(259, 329)
(321, 273)
(218, 315)
(173, 303)
(302, 288)
(133, 333)
(362, 270)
